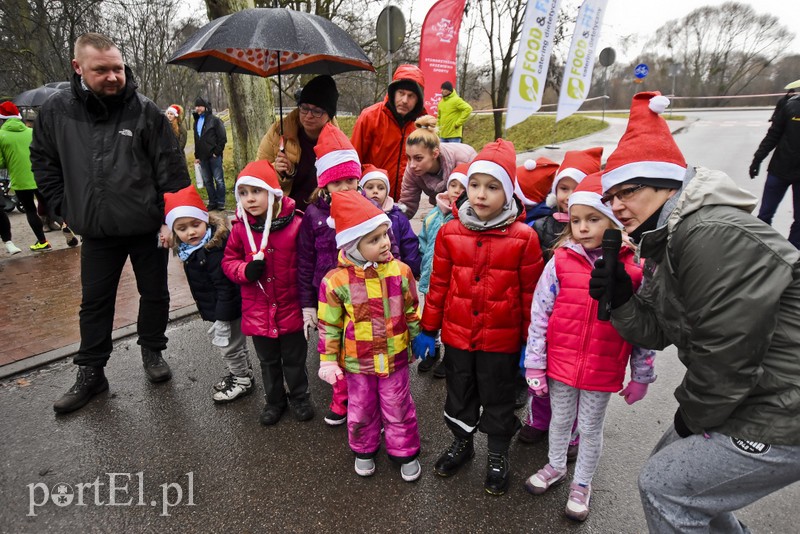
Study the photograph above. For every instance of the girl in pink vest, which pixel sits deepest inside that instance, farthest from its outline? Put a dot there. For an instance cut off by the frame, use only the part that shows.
(579, 359)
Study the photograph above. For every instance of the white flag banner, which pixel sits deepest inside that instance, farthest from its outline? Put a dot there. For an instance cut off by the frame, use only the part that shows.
(580, 61)
(533, 59)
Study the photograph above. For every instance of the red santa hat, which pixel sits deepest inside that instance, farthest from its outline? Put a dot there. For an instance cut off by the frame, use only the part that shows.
(353, 216)
(9, 111)
(589, 193)
(534, 179)
(460, 174)
(647, 153)
(184, 203)
(261, 174)
(499, 160)
(336, 157)
(174, 109)
(371, 172)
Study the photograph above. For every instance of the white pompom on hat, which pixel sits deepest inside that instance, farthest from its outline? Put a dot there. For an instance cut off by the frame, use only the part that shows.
(646, 153)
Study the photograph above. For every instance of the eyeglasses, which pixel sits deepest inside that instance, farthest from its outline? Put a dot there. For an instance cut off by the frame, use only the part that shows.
(622, 195)
(315, 112)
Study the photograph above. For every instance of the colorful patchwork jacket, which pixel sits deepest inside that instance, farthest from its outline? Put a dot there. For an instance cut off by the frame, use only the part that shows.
(368, 316)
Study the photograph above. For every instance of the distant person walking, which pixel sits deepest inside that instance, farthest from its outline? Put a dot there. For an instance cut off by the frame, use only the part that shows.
(784, 167)
(453, 113)
(209, 143)
(103, 156)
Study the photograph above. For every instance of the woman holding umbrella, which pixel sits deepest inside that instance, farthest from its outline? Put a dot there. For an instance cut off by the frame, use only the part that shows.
(293, 154)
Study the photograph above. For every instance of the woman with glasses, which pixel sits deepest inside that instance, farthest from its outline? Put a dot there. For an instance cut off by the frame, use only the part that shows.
(294, 159)
(724, 288)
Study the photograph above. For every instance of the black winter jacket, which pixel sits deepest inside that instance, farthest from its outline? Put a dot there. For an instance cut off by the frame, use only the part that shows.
(784, 136)
(213, 138)
(105, 164)
(217, 298)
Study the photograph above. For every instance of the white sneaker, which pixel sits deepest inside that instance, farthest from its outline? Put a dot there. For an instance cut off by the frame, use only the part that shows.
(12, 248)
(411, 471)
(236, 386)
(365, 467)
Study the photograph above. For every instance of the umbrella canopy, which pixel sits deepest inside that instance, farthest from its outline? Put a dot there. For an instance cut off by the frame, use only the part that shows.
(269, 41)
(58, 85)
(35, 97)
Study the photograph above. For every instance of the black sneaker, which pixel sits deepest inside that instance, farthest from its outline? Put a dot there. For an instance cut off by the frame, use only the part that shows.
(90, 382)
(154, 365)
(460, 451)
(497, 473)
(303, 410)
(440, 371)
(426, 365)
(272, 414)
(335, 419)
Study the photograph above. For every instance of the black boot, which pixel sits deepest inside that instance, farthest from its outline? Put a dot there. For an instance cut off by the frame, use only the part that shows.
(498, 473)
(90, 382)
(154, 365)
(460, 451)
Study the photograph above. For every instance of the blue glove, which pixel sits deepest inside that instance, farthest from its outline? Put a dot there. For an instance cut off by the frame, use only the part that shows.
(522, 358)
(423, 346)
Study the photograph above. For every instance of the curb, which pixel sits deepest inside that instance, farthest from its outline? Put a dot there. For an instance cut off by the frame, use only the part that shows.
(54, 355)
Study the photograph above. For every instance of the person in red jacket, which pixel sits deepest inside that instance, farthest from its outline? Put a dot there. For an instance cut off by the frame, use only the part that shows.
(261, 257)
(485, 266)
(583, 358)
(380, 133)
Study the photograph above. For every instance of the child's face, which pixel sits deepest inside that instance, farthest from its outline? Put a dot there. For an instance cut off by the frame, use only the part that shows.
(564, 189)
(375, 246)
(588, 225)
(347, 184)
(454, 190)
(189, 230)
(421, 159)
(376, 190)
(486, 195)
(255, 200)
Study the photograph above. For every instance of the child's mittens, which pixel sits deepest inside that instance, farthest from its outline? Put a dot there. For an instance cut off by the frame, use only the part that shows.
(254, 270)
(423, 346)
(330, 372)
(221, 330)
(537, 381)
(634, 392)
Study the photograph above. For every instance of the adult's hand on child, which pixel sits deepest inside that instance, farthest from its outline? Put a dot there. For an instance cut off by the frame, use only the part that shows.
(634, 392)
(537, 381)
(221, 332)
(254, 270)
(423, 346)
(601, 279)
(330, 372)
(165, 236)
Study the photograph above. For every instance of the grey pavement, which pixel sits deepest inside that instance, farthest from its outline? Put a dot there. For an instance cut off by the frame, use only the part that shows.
(297, 477)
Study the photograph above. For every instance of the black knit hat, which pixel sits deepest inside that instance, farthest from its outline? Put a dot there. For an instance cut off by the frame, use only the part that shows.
(448, 86)
(321, 92)
(200, 102)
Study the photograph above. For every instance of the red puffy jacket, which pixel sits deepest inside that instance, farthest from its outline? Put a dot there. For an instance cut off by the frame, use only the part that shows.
(582, 351)
(482, 285)
(273, 309)
(380, 139)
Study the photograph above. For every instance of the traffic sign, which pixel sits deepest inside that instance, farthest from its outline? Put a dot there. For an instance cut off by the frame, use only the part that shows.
(391, 29)
(641, 70)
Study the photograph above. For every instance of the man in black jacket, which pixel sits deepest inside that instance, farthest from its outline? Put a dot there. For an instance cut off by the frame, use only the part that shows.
(103, 157)
(209, 142)
(784, 167)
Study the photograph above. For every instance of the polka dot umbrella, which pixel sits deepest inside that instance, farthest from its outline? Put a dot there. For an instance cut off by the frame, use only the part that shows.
(271, 41)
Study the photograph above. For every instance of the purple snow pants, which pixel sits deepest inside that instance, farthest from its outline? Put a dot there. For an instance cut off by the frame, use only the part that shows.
(375, 401)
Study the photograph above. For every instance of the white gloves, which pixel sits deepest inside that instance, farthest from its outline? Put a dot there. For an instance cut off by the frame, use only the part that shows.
(221, 332)
(309, 320)
(330, 372)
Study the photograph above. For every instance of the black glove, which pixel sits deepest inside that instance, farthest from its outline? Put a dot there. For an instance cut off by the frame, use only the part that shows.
(680, 425)
(254, 270)
(623, 285)
(754, 169)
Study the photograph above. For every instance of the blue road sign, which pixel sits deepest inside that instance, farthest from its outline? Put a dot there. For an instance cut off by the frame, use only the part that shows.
(641, 70)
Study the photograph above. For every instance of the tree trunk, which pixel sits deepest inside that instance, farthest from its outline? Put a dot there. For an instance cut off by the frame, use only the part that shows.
(249, 97)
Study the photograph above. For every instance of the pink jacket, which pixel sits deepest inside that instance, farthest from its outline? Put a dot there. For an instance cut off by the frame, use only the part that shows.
(450, 155)
(271, 307)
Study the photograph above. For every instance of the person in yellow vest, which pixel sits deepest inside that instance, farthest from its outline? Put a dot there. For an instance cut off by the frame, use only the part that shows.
(453, 113)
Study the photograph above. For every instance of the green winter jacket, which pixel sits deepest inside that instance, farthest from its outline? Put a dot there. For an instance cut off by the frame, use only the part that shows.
(453, 113)
(724, 288)
(15, 154)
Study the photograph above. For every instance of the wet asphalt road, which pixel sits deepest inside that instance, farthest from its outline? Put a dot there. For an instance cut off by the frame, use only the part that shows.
(294, 477)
